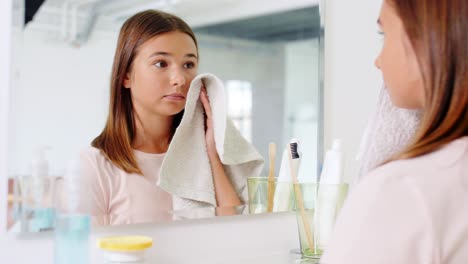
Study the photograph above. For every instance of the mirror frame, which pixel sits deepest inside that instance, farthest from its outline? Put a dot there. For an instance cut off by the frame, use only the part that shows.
(6, 12)
(321, 91)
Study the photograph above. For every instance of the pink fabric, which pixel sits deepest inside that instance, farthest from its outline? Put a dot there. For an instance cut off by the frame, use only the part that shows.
(407, 212)
(115, 197)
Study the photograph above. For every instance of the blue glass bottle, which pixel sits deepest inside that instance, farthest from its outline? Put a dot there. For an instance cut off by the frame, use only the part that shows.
(72, 226)
(72, 239)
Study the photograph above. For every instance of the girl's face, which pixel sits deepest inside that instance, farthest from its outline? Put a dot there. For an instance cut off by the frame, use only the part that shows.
(161, 73)
(398, 63)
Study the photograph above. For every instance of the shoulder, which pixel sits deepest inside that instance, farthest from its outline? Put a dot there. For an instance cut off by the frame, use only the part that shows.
(397, 206)
(383, 212)
(93, 156)
(93, 161)
(453, 156)
(422, 180)
(385, 188)
(91, 153)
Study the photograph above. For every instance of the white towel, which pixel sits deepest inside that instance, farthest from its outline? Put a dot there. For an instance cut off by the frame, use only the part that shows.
(389, 130)
(186, 171)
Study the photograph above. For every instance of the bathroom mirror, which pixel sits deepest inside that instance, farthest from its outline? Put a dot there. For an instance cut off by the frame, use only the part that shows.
(266, 52)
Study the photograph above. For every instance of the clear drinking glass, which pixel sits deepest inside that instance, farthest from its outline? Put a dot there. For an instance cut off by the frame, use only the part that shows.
(259, 189)
(317, 207)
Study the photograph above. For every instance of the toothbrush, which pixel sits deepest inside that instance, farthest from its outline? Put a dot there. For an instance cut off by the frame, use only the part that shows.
(294, 163)
(283, 200)
(300, 178)
(271, 176)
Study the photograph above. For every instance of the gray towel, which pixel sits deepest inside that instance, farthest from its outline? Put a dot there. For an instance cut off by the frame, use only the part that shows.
(186, 171)
(389, 130)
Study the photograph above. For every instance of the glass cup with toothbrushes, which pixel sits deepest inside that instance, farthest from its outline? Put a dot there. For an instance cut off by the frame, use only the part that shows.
(274, 194)
(270, 194)
(305, 200)
(318, 204)
(317, 207)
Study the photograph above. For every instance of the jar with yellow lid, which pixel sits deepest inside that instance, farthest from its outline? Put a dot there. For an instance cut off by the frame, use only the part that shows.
(125, 249)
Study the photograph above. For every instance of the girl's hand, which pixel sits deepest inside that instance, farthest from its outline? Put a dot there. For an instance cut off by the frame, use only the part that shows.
(209, 132)
(226, 195)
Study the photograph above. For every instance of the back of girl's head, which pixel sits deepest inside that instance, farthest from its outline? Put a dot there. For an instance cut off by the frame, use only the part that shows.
(116, 138)
(438, 33)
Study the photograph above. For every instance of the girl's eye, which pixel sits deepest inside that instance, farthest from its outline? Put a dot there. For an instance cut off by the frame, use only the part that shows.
(160, 64)
(189, 65)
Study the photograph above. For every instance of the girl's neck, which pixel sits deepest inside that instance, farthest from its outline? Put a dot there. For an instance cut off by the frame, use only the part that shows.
(152, 133)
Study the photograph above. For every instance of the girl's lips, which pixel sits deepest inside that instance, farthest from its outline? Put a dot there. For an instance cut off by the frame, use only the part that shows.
(175, 97)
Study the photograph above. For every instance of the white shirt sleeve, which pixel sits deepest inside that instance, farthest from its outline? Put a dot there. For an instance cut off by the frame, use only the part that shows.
(384, 221)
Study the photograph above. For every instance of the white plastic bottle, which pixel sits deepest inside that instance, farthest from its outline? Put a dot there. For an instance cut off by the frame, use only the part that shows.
(72, 224)
(330, 193)
(332, 172)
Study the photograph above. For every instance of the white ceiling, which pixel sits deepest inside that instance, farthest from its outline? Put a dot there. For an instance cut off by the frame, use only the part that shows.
(74, 20)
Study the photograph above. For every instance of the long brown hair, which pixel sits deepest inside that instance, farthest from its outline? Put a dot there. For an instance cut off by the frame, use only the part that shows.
(438, 34)
(116, 138)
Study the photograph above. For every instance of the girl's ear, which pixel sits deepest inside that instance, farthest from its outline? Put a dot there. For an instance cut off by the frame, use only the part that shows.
(127, 80)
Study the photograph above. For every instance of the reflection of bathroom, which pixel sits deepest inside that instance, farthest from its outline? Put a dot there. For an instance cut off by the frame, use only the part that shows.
(269, 64)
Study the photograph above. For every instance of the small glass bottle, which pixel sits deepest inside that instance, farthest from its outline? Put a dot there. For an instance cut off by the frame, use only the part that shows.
(125, 249)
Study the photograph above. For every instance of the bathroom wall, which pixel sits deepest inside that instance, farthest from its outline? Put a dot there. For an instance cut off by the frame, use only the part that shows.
(59, 96)
(351, 79)
(301, 101)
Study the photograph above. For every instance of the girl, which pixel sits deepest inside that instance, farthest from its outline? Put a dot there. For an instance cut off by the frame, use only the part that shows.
(155, 61)
(414, 208)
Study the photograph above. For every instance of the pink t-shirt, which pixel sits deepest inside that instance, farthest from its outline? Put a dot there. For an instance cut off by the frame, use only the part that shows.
(116, 197)
(407, 212)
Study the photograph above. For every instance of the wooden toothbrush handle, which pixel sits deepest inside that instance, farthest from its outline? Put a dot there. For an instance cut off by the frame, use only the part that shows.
(305, 222)
(271, 176)
(271, 194)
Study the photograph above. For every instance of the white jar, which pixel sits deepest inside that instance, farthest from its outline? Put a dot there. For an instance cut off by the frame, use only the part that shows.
(124, 249)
